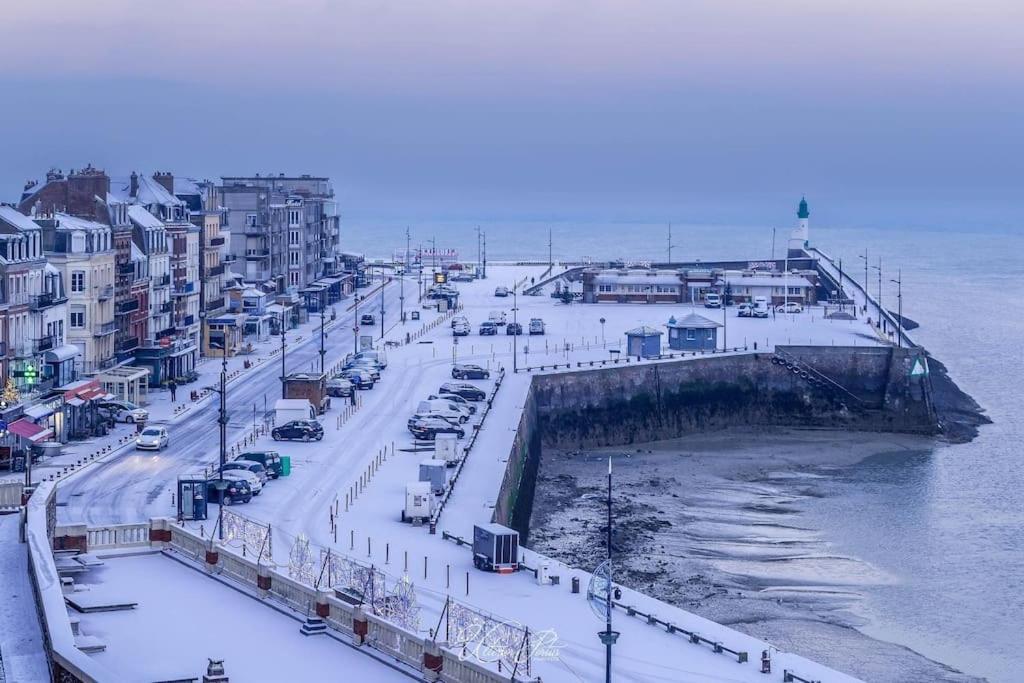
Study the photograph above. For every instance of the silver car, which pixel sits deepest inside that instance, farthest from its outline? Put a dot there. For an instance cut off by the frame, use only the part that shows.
(153, 439)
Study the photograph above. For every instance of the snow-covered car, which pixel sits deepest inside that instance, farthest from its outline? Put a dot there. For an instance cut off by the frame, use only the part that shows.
(460, 319)
(429, 427)
(446, 409)
(368, 319)
(789, 307)
(536, 326)
(460, 330)
(501, 291)
(360, 377)
(365, 364)
(745, 310)
(513, 329)
(466, 391)
(379, 358)
(249, 466)
(470, 371)
(240, 474)
(153, 439)
(455, 398)
(498, 317)
(123, 411)
(712, 300)
(339, 387)
(760, 307)
(233, 490)
(487, 329)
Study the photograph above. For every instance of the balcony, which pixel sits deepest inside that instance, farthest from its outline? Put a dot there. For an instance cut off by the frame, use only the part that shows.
(105, 292)
(214, 305)
(128, 344)
(185, 289)
(188, 320)
(43, 344)
(161, 280)
(215, 271)
(255, 254)
(128, 306)
(126, 269)
(167, 307)
(230, 258)
(217, 242)
(104, 329)
(39, 302)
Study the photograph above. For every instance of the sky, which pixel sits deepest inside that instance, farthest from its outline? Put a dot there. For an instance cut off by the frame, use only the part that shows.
(564, 109)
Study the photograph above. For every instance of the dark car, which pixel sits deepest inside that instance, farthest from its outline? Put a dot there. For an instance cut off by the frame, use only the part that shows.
(360, 377)
(429, 427)
(298, 430)
(466, 391)
(470, 371)
(271, 461)
(513, 328)
(368, 319)
(488, 328)
(235, 491)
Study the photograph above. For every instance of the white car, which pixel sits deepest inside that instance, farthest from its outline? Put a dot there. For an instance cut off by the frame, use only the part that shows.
(789, 307)
(460, 320)
(536, 326)
(501, 291)
(153, 439)
(124, 411)
(236, 474)
(712, 300)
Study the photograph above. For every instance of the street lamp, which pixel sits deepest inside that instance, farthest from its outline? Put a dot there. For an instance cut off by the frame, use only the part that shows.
(899, 310)
(602, 332)
(879, 269)
(283, 347)
(864, 257)
(515, 323)
(355, 325)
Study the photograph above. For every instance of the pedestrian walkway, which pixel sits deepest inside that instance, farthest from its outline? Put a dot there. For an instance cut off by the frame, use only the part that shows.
(21, 641)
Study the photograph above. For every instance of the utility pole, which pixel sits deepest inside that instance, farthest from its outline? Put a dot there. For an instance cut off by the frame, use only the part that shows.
(419, 271)
(485, 256)
(608, 636)
(382, 302)
(551, 260)
(283, 346)
(222, 420)
(773, 244)
(515, 321)
(433, 266)
(323, 318)
(899, 309)
(479, 253)
(355, 326)
(401, 282)
(670, 245)
(880, 309)
(866, 295)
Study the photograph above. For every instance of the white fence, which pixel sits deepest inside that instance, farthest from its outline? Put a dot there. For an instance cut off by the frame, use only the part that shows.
(10, 495)
(117, 536)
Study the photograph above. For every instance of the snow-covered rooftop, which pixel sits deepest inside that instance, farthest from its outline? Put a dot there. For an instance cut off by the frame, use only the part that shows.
(17, 219)
(143, 218)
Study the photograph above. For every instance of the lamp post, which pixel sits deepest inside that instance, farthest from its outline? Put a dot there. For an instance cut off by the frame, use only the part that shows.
(382, 303)
(879, 269)
(323, 322)
(865, 257)
(355, 325)
(283, 347)
(899, 309)
(222, 420)
(515, 323)
(608, 636)
(602, 321)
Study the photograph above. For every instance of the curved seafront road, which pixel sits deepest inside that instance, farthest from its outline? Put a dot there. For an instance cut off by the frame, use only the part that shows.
(128, 486)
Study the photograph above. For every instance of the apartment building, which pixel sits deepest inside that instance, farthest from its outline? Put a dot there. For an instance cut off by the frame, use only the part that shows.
(203, 201)
(33, 309)
(285, 229)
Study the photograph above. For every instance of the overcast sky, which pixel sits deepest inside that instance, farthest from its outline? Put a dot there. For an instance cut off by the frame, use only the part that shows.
(641, 109)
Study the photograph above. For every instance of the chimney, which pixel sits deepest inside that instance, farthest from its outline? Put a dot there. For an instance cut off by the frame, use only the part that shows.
(134, 188)
(166, 179)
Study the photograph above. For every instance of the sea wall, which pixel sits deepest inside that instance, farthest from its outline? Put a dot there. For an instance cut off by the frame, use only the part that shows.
(858, 388)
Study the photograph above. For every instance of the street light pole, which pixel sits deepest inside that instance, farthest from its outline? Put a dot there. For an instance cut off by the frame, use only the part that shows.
(323, 319)
(608, 636)
(283, 346)
(899, 308)
(880, 309)
(223, 422)
(382, 302)
(515, 321)
(355, 326)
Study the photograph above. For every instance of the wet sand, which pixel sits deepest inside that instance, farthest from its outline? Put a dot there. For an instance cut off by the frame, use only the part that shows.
(715, 523)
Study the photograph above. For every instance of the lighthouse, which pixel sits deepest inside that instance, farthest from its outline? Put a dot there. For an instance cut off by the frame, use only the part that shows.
(798, 238)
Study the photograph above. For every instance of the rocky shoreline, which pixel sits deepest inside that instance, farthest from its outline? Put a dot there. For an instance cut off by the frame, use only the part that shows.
(714, 523)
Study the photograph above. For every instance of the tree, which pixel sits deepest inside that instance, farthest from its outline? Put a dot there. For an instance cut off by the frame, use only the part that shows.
(11, 395)
(566, 296)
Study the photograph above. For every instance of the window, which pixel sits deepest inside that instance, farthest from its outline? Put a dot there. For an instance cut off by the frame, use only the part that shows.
(710, 335)
(77, 316)
(250, 220)
(795, 290)
(78, 281)
(293, 217)
(691, 335)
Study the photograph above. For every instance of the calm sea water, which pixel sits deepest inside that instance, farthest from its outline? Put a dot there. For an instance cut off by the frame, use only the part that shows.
(949, 524)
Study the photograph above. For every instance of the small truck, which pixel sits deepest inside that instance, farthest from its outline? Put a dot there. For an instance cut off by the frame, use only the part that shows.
(310, 386)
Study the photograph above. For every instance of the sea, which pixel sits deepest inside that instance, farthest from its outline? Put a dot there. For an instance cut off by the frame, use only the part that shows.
(946, 522)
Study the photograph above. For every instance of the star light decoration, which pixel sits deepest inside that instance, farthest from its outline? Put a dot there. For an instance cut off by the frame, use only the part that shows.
(400, 606)
(300, 561)
(250, 536)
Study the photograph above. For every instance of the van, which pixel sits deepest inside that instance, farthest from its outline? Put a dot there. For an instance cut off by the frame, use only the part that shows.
(760, 307)
(443, 408)
(288, 409)
(712, 300)
(497, 317)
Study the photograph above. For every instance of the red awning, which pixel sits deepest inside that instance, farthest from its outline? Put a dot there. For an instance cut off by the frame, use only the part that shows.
(29, 430)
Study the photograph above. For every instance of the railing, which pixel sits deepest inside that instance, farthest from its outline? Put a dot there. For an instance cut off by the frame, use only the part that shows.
(126, 268)
(167, 307)
(38, 302)
(128, 306)
(105, 292)
(117, 536)
(214, 305)
(161, 280)
(128, 344)
(43, 344)
(185, 290)
(217, 242)
(104, 329)
(216, 270)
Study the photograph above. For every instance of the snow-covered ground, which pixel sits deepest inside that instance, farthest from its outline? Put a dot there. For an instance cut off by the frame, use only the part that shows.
(21, 640)
(184, 616)
(370, 458)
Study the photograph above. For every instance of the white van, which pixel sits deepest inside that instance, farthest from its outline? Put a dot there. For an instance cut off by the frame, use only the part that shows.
(443, 408)
(712, 300)
(497, 317)
(289, 409)
(760, 307)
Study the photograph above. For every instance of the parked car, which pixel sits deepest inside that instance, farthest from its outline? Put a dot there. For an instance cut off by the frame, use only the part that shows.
(455, 398)
(470, 371)
(460, 330)
(760, 307)
(249, 466)
(466, 391)
(789, 307)
(513, 329)
(298, 430)
(271, 461)
(367, 365)
(745, 310)
(339, 387)
(497, 317)
(359, 377)
(368, 319)
(235, 491)
(379, 358)
(446, 409)
(487, 328)
(255, 485)
(429, 427)
(123, 411)
(536, 326)
(501, 291)
(153, 439)
(459, 319)
(712, 300)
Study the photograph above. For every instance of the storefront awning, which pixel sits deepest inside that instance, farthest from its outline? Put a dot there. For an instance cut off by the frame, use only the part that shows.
(29, 430)
(75, 402)
(38, 411)
(62, 353)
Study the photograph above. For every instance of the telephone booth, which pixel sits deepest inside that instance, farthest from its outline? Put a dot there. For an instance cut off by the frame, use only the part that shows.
(192, 497)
